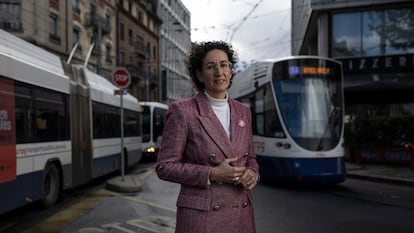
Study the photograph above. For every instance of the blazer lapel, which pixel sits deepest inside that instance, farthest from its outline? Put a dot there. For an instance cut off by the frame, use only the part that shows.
(209, 121)
(237, 123)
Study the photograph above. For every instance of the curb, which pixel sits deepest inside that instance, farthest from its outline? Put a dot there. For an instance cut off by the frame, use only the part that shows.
(130, 184)
(382, 179)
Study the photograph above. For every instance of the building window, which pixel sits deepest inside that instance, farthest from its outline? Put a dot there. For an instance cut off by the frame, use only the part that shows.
(10, 14)
(130, 6)
(108, 53)
(140, 17)
(140, 45)
(75, 6)
(76, 35)
(108, 19)
(373, 33)
(121, 31)
(53, 24)
(130, 36)
(53, 34)
(121, 58)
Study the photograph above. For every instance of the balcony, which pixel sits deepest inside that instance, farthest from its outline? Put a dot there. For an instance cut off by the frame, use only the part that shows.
(10, 25)
(94, 20)
(140, 48)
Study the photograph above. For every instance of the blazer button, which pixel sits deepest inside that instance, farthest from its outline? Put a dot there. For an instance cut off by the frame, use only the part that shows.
(245, 204)
(216, 207)
(212, 157)
(246, 154)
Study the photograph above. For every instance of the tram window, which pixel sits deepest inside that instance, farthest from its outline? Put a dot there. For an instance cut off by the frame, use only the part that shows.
(266, 122)
(259, 112)
(273, 127)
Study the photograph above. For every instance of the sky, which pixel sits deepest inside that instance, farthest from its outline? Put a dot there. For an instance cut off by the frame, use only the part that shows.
(257, 29)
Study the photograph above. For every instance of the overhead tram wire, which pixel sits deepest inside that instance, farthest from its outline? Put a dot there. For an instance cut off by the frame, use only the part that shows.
(244, 19)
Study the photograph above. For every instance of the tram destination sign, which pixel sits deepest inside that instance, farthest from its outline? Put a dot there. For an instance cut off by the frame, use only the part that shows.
(395, 63)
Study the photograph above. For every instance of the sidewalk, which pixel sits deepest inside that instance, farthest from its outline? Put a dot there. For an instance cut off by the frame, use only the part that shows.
(401, 175)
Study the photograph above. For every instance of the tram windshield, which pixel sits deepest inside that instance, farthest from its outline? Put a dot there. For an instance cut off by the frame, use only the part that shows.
(311, 108)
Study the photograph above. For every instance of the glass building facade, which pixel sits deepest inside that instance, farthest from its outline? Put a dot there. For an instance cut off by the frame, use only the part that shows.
(373, 33)
(374, 40)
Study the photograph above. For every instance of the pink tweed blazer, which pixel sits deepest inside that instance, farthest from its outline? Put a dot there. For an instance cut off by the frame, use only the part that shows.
(193, 142)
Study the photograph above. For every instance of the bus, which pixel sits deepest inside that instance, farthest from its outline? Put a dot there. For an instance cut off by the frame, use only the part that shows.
(297, 107)
(152, 127)
(59, 125)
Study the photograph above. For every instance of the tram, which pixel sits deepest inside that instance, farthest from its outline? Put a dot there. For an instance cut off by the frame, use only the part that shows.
(59, 125)
(297, 107)
(152, 127)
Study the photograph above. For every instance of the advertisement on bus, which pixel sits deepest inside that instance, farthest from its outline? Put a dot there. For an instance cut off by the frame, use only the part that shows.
(7, 132)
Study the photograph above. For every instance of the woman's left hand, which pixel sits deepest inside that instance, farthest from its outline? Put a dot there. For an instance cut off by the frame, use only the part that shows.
(248, 179)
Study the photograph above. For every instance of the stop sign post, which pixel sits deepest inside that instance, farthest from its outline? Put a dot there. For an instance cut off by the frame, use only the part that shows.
(121, 79)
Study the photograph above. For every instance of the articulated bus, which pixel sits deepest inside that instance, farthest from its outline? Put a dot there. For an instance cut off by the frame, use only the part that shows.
(152, 127)
(297, 109)
(59, 125)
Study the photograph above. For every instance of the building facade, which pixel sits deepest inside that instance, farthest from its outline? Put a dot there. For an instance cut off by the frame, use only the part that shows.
(138, 28)
(102, 34)
(62, 26)
(175, 45)
(374, 40)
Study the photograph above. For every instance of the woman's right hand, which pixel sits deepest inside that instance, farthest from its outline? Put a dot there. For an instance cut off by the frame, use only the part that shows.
(225, 172)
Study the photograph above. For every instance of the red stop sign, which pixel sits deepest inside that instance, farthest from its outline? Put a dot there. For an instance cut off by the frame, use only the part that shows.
(121, 77)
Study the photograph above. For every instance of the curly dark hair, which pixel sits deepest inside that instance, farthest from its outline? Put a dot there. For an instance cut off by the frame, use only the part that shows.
(198, 53)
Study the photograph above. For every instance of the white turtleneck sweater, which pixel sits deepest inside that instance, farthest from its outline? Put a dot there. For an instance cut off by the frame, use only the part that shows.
(222, 110)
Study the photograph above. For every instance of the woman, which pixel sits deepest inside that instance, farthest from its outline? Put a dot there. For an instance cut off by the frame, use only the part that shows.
(207, 148)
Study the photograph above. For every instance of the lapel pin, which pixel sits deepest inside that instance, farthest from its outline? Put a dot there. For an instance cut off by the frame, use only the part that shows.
(241, 123)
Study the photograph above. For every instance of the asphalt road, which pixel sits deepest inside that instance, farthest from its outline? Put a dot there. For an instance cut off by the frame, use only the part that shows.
(354, 206)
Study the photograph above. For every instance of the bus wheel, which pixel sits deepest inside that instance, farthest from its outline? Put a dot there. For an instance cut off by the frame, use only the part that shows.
(50, 185)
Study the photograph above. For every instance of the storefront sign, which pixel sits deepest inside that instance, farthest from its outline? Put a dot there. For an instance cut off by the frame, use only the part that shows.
(397, 63)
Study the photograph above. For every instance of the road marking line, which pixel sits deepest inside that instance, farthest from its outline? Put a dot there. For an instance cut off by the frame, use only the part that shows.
(149, 203)
(6, 225)
(55, 222)
(142, 201)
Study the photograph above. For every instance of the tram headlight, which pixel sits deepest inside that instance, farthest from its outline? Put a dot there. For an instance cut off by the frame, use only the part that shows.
(150, 149)
(284, 145)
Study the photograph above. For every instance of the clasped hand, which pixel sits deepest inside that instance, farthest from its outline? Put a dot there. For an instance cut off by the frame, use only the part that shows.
(227, 173)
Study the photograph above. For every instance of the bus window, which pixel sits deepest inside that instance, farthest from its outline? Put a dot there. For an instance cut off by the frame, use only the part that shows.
(98, 120)
(51, 120)
(146, 124)
(131, 123)
(23, 102)
(158, 123)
